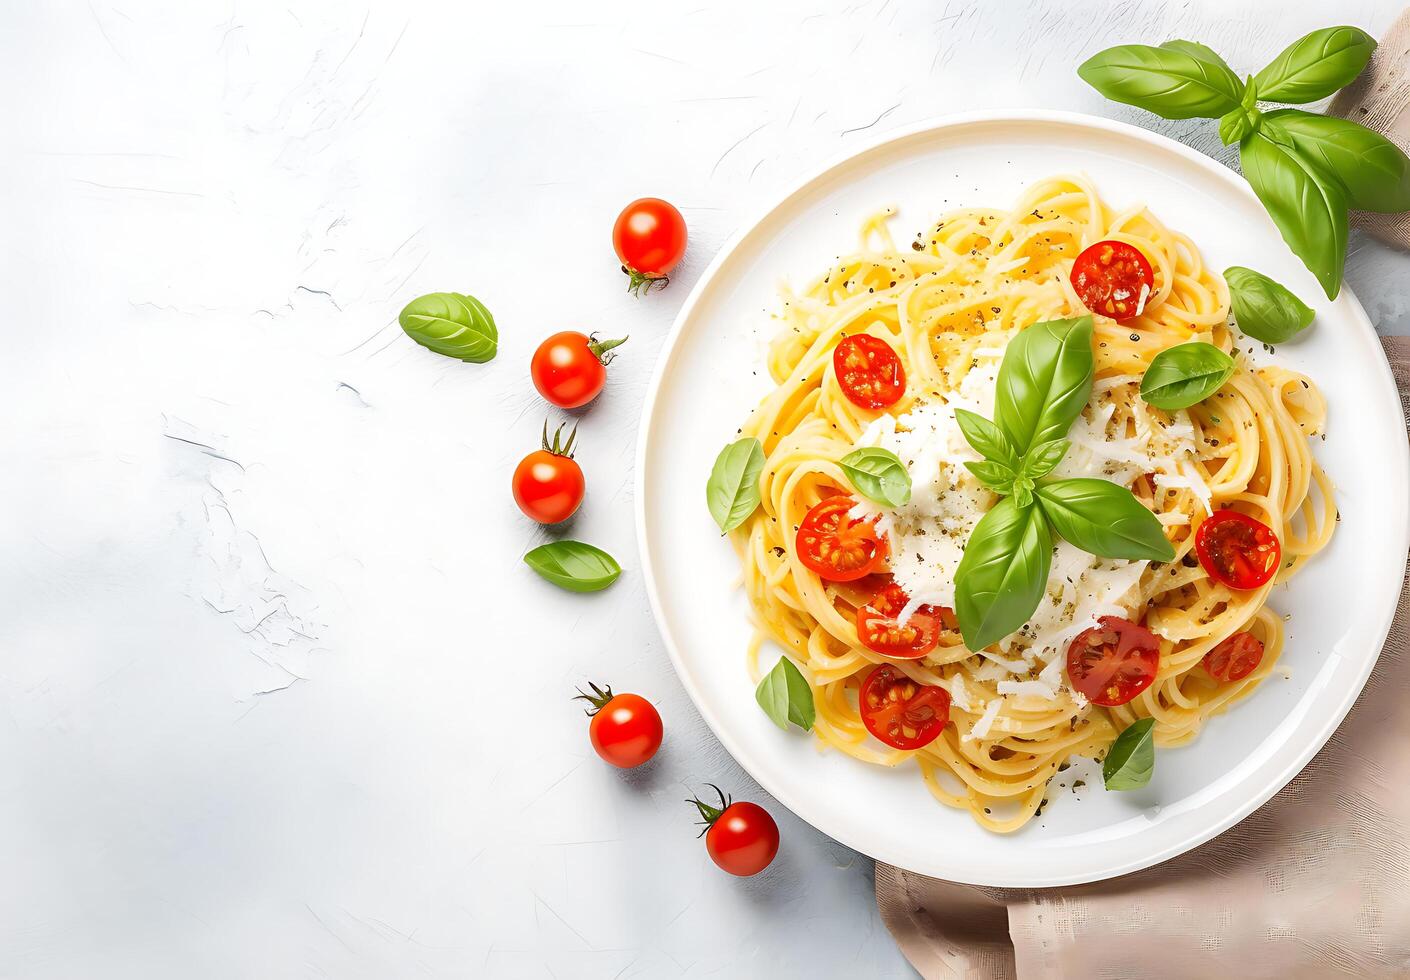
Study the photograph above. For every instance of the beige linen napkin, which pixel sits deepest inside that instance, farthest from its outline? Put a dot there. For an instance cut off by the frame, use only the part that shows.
(1314, 884)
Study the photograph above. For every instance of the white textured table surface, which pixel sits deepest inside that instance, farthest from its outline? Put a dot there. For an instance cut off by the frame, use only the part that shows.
(278, 697)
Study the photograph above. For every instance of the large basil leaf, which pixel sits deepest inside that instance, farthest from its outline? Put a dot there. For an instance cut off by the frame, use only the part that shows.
(1264, 309)
(452, 324)
(986, 438)
(1131, 759)
(574, 566)
(878, 475)
(1044, 381)
(1103, 518)
(732, 491)
(785, 696)
(1169, 81)
(1373, 171)
(1308, 207)
(1315, 66)
(1003, 574)
(1185, 375)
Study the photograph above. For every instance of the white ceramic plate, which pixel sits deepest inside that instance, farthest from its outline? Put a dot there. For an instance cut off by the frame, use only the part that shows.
(710, 377)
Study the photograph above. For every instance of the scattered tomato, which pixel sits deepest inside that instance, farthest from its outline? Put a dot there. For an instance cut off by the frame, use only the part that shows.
(649, 237)
(625, 729)
(838, 547)
(868, 371)
(1112, 662)
(741, 837)
(570, 368)
(548, 483)
(1113, 279)
(1235, 658)
(878, 629)
(901, 712)
(1238, 550)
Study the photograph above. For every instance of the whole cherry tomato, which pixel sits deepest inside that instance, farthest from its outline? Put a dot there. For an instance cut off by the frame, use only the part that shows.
(548, 483)
(625, 729)
(649, 237)
(570, 368)
(741, 837)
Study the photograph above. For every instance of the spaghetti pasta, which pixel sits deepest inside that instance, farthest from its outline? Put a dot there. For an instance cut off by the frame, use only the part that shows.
(948, 304)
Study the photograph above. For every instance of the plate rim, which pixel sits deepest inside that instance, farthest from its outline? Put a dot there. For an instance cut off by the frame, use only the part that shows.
(648, 421)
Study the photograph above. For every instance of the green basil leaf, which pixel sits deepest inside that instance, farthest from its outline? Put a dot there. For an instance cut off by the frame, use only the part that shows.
(1023, 491)
(1308, 206)
(732, 491)
(1264, 309)
(574, 566)
(1185, 375)
(1044, 381)
(878, 475)
(1372, 171)
(993, 474)
(1131, 759)
(1196, 50)
(1315, 66)
(1237, 125)
(1003, 574)
(452, 324)
(1043, 458)
(1107, 520)
(786, 696)
(1169, 81)
(986, 438)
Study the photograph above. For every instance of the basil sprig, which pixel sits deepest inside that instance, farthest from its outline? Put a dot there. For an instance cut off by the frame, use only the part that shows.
(452, 324)
(1131, 758)
(1185, 375)
(732, 491)
(878, 475)
(1264, 309)
(1306, 169)
(1044, 381)
(574, 566)
(786, 696)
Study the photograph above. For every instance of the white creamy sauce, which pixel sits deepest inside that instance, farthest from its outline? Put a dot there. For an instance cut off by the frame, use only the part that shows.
(928, 534)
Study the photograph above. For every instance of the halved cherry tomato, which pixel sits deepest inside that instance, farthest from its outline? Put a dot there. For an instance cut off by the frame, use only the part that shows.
(741, 837)
(625, 729)
(900, 712)
(878, 630)
(868, 371)
(838, 547)
(1112, 662)
(1238, 550)
(1110, 277)
(1235, 658)
(548, 484)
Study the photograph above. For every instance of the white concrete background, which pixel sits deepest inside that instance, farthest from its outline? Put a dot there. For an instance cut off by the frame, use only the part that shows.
(277, 697)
